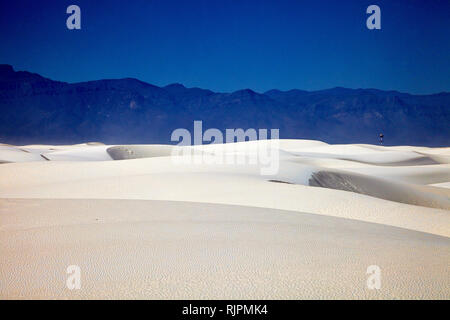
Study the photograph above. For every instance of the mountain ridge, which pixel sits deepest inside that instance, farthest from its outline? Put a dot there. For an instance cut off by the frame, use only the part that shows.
(36, 109)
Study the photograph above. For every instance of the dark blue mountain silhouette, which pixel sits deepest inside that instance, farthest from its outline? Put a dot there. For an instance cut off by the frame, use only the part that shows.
(35, 109)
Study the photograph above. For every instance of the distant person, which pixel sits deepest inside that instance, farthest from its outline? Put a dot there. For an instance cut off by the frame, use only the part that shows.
(381, 138)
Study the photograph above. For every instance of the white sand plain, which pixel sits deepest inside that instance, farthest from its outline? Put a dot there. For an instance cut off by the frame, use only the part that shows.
(151, 227)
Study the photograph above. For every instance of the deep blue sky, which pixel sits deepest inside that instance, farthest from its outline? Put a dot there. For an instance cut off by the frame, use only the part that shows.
(229, 45)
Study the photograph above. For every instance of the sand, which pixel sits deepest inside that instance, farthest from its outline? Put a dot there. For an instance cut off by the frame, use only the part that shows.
(381, 188)
(176, 250)
(147, 226)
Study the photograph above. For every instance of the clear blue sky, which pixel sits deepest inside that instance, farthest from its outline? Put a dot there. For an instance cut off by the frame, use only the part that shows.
(229, 45)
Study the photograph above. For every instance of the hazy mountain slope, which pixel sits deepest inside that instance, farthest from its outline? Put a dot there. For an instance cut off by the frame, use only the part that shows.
(39, 110)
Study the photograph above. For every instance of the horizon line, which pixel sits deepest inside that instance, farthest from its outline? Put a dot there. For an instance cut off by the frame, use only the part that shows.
(230, 92)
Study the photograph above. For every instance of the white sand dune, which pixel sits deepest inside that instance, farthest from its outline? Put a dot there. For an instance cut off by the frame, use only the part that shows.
(207, 228)
(136, 151)
(81, 153)
(441, 185)
(381, 188)
(176, 250)
(388, 158)
(91, 151)
(415, 174)
(14, 154)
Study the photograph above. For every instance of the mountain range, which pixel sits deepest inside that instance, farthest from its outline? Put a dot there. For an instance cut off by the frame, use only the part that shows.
(35, 109)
